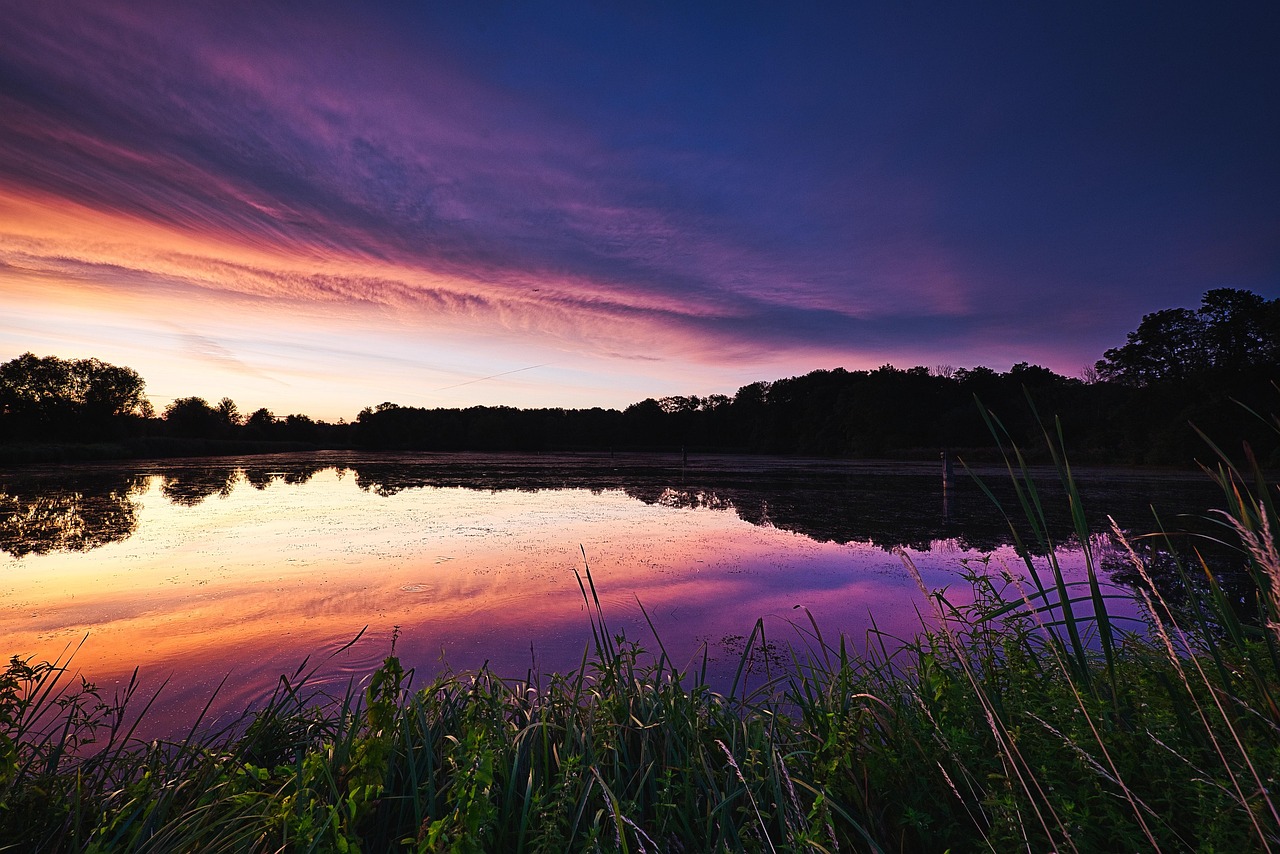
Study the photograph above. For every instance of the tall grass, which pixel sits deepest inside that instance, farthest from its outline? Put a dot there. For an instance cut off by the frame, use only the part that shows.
(1023, 715)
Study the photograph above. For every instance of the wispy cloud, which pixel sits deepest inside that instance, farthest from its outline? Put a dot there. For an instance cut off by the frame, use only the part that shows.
(629, 208)
(458, 200)
(204, 349)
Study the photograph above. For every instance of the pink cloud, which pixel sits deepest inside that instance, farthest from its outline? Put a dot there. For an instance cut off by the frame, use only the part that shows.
(170, 151)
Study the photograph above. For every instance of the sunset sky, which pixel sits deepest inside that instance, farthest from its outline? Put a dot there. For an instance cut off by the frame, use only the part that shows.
(318, 207)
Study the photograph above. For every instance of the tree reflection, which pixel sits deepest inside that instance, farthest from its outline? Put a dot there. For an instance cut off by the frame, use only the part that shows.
(293, 472)
(886, 515)
(260, 478)
(888, 505)
(1188, 570)
(188, 486)
(57, 510)
(38, 516)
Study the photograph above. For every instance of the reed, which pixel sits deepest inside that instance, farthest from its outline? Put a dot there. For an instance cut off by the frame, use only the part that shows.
(1023, 715)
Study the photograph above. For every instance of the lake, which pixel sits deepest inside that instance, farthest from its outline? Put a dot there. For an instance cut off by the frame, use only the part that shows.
(232, 571)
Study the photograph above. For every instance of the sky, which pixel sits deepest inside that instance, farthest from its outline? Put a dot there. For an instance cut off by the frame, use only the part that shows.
(317, 207)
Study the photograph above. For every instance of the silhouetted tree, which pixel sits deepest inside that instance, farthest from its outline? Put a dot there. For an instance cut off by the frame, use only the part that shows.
(193, 417)
(1168, 345)
(111, 390)
(58, 398)
(1243, 329)
(260, 424)
(1232, 330)
(300, 428)
(680, 403)
(229, 412)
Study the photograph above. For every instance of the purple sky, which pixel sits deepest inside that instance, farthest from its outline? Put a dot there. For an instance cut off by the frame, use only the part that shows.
(319, 207)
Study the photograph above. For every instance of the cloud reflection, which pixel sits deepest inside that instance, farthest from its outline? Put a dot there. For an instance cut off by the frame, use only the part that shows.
(249, 566)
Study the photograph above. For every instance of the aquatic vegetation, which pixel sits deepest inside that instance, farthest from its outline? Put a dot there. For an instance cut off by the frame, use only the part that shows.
(1026, 718)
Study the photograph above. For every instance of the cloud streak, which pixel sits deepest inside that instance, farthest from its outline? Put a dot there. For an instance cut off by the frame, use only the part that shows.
(206, 349)
(276, 157)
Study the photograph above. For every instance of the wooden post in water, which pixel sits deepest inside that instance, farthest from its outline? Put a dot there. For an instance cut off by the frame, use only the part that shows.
(946, 486)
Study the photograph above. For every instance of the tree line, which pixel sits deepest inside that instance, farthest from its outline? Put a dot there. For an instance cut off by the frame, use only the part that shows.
(48, 399)
(1210, 367)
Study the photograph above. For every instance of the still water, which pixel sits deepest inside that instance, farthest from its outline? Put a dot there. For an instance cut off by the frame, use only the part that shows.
(233, 571)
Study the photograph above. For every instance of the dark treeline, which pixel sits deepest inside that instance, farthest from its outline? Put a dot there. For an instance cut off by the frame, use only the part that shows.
(47, 400)
(886, 412)
(1181, 367)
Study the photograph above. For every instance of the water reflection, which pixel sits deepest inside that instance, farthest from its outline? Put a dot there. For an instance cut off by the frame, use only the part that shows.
(296, 473)
(190, 486)
(890, 505)
(71, 512)
(1189, 570)
(206, 567)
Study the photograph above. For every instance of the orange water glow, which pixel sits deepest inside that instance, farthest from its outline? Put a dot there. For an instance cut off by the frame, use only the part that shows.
(246, 585)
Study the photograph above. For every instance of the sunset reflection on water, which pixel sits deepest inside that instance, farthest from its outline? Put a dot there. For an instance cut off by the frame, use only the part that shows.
(249, 579)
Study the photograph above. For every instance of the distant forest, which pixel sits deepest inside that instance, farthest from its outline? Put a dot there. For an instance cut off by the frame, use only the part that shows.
(1216, 367)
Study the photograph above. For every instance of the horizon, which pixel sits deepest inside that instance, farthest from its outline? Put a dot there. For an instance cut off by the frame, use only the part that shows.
(945, 371)
(316, 209)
